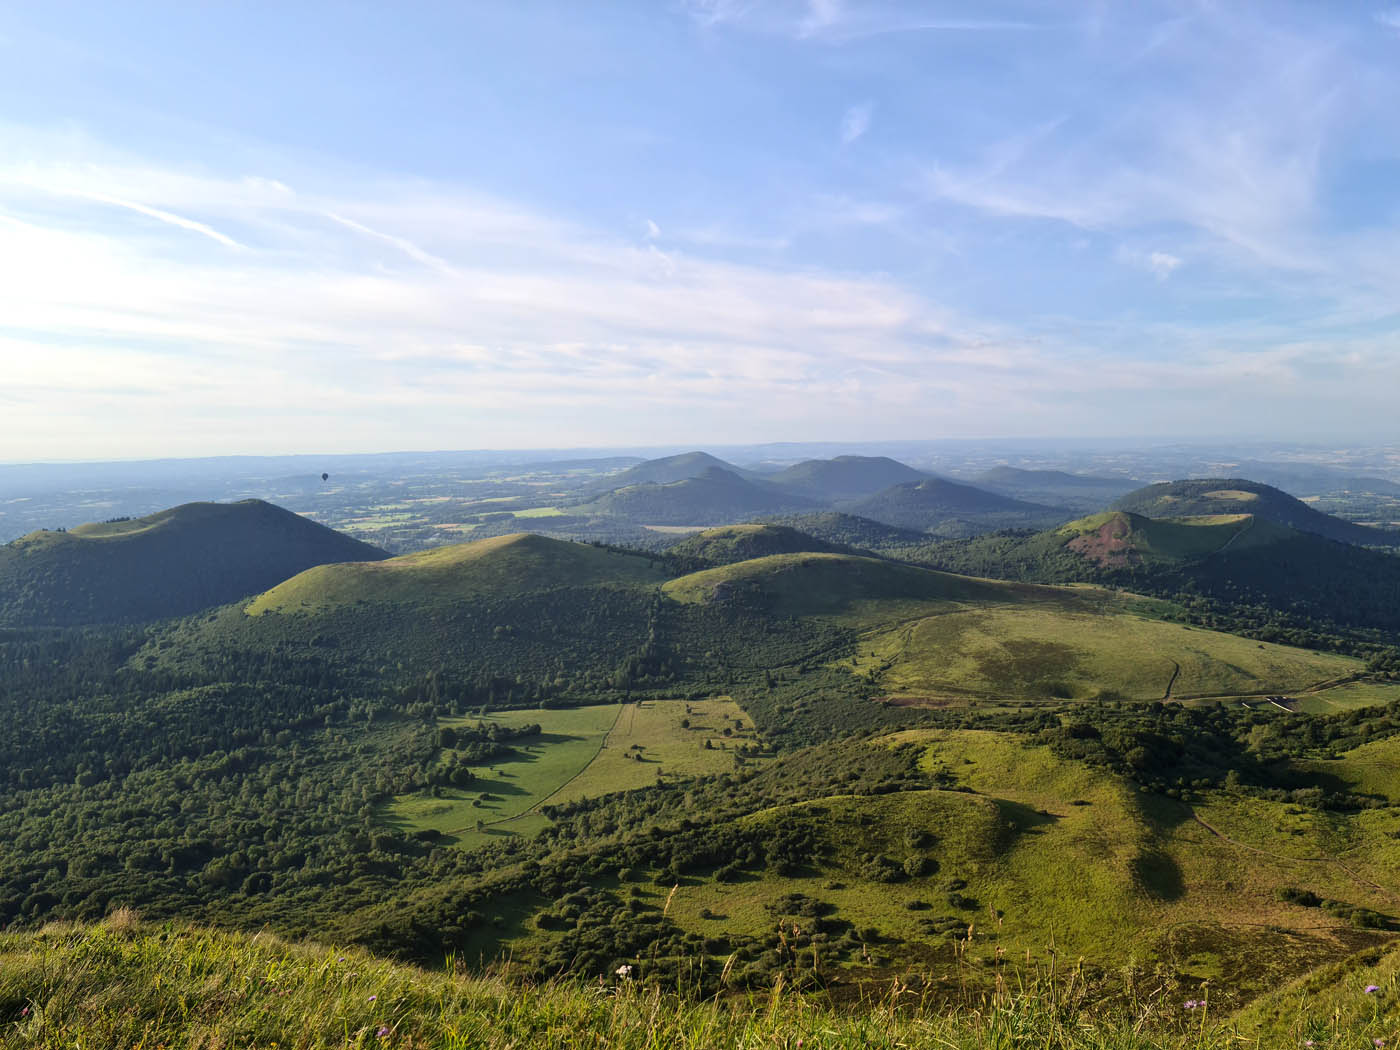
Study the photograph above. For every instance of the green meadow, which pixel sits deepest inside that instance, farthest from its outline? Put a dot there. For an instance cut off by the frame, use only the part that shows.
(1043, 651)
(580, 752)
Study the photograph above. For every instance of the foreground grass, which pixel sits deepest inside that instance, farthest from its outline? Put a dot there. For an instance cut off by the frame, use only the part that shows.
(125, 984)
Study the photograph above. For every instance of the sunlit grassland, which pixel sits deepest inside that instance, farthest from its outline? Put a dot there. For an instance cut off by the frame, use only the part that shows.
(540, 512)
(127, 984)
(514, 784)
(580, 752)
(1371, 769)
(1348, 695)
(1042, 651)
(652, 736)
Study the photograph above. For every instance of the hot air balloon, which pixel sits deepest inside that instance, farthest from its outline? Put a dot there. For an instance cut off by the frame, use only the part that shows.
(325, 477)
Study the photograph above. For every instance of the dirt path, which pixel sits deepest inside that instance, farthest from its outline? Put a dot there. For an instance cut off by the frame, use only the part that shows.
(1332, 861)
(1226, 546)
(1176, 670)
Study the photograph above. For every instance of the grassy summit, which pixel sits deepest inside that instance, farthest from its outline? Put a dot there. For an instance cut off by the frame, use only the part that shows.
(520, 563)
(167, 564)
(1175, 499)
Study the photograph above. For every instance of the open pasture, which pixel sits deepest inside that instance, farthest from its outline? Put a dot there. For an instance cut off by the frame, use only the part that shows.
(1043, 651)
(580, 752)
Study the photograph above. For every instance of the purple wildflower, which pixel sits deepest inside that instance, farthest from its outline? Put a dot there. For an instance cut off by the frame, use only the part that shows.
(1192, 1004)
(383, 1031)
(1371, 989)
(1378, 1041)
(372, 998)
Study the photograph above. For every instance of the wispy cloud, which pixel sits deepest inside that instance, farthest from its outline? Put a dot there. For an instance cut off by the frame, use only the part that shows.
(836, 21)
(855, 122)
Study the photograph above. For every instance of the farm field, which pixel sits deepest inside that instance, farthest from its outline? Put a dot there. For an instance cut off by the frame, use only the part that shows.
(580, 752)
(1039, 651)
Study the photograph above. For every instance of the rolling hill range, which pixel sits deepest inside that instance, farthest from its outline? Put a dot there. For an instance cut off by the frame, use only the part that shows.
(713, 497)
(948, 508)
(944, 638)
(1239, 559)
(847, 775)
(1180, 499)
(168, 564)
(844, 478)
(1055, 488)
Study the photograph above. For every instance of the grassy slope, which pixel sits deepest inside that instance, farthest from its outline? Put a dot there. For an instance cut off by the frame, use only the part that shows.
(1047, 854)
(931, 634)
(127, 984)
(176, 562)
(1044, 650)
(824, 584)
(520, 562)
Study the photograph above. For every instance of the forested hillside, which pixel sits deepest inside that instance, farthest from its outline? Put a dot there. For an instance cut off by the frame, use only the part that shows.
(168, 564)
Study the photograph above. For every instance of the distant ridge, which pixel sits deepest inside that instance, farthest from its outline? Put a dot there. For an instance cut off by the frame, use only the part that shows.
(939, 505)
(845, 477)
(171, 563)
(668, 470)
(1057, 488)
(1175, 499)
(714, 497)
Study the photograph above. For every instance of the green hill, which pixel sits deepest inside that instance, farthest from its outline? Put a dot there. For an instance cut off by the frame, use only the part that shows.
(503, 566)
(813, 584)
(1308, 581)
(1055, 487)
(845, 477)
(948, 508)
(667, 470)
(732, 543)
(1178, 499)
(168, 564)
(849, 530)
(932, 636)
(713, 497)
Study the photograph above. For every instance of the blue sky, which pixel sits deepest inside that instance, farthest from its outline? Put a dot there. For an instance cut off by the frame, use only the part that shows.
(354, 227)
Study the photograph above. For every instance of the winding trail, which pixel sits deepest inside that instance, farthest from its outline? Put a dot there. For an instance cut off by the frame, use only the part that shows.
(1357, 876)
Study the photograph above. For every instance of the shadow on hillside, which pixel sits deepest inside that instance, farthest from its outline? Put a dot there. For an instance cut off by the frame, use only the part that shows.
(1158, 875)
(1019, 819)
